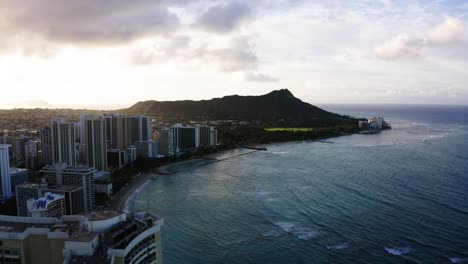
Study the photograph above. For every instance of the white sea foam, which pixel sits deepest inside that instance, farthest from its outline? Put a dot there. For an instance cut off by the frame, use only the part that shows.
(279, 152)
(459, 260)
(339, 246)
(287, 227)
(272, 233)
(398, 251)
(305, 233)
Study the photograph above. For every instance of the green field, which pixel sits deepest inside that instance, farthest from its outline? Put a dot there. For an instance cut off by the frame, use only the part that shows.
(294, 129)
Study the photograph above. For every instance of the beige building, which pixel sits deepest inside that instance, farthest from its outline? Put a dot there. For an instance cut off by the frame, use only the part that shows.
(99, 237)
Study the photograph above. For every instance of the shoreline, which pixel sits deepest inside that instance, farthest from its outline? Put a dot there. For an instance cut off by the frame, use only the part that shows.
(124, 200)
(198, 162)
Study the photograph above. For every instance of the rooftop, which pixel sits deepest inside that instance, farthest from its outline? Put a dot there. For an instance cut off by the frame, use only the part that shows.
(82, 236)
(49, 187)
(19, 224)
(62, 167)
(103, 215)
(14, 171)
(101, 174)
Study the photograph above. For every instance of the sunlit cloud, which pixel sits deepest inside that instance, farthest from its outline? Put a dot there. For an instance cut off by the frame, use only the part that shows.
(74, 52)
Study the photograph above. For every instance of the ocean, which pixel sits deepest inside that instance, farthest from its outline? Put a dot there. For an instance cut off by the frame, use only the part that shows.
(400, 196)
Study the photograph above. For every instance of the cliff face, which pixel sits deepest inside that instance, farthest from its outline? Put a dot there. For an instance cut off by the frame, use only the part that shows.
(280, 105)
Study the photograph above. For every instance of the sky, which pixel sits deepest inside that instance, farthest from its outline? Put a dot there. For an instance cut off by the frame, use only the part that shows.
(114, 53)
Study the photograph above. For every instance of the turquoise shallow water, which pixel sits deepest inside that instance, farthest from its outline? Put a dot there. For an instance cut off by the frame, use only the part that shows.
(396, 197)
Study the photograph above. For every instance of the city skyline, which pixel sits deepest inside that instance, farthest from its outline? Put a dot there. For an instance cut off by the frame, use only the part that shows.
(111, 55)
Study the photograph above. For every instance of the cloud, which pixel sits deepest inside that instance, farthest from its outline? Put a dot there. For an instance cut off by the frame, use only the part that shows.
(449, 31)
(175, 47)
(401, 47)
(236, 54)
(224, 17)
(259, 77)
(86, 21)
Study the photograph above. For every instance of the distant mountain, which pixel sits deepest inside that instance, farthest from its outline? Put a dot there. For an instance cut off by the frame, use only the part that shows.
(277, 107)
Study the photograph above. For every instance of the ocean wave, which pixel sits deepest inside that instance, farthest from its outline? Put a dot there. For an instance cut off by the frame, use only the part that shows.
(196, 193)
(459, 260)
(398, 251)
(287, 227)
(371, 145)
(279, 152)
(260, 192)
(339, 246)
(303, 233)
(272, 233)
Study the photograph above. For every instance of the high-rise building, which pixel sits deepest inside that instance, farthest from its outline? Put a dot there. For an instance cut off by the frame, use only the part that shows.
(63, 142)
(123, 131)
(146, 149)
(166, 142)
(203, 136)
(5, 179)
(17, 176)
(184, 138)
(30, 149)
(60, 174)
(46, 145)
(95, 142)
(31, 154)
(18, 148)
(213, 137)
(73, 195)
(116, 158)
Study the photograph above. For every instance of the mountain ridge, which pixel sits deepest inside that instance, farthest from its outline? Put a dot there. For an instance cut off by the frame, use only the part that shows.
(277, 106)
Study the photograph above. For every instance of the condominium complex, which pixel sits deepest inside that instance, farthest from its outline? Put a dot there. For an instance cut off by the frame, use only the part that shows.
(95, 142)
(98, 237)
(123, 131)
(179, 138)
(166, 142)
(46, 145)
(63, 142)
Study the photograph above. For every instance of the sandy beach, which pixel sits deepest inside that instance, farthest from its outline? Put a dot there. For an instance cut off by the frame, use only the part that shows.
(120, 200)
